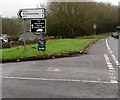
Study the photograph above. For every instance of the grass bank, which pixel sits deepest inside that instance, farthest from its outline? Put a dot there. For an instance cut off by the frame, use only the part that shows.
(54, 47)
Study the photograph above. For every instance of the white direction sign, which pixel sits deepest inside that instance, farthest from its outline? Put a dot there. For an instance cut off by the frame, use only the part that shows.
(94, 26)
(31, 13)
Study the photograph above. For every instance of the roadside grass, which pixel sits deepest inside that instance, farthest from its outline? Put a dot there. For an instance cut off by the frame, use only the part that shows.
(54, 47)
(101, 36)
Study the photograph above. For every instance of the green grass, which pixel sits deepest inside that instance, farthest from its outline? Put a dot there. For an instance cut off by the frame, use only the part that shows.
(52, 47)
(101, 36)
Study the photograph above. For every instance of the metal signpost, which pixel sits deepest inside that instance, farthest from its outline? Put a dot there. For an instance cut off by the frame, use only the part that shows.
(25, 36)
(38, 23)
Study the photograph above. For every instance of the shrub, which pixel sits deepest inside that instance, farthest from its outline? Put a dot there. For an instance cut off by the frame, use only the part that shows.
(5, 45)
(16, 43)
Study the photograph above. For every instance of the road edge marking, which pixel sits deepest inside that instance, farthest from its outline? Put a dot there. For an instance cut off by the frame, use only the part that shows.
(63, 80)
(111, 69)
(112, 54)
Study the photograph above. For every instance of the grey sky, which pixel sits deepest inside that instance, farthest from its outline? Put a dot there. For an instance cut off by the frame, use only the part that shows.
(10, 8)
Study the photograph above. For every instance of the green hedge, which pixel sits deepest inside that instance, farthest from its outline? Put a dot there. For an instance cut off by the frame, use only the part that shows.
(19, 43)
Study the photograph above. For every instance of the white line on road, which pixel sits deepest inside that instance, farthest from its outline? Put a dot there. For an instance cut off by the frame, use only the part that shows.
(112, 77)
(112, 55)
(111, 69)
(53, 69)
(111, 74)
(63, 80)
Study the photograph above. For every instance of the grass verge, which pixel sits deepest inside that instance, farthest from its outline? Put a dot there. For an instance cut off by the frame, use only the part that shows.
(54, 47)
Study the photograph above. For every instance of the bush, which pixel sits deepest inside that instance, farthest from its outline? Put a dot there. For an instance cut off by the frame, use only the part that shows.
(16, 43)
(5, 45)
(20, 42)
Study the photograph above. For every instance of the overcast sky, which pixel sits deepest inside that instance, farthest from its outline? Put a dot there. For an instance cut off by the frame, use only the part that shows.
(9, 8)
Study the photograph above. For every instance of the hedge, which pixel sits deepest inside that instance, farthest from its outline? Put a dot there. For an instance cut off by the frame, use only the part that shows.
(16, 43)
(20, 42)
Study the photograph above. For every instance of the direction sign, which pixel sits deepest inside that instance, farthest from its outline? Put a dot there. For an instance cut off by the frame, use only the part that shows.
(38, 25)
(94, 26)
(31, 13)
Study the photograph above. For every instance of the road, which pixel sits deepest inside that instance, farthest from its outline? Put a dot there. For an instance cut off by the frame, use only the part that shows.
(94, 75)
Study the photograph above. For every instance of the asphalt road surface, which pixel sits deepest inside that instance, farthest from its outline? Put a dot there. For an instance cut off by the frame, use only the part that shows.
(94, 75)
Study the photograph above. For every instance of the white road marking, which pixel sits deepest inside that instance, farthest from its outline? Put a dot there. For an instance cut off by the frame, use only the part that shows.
(112, 77)
(63, 80)
(111, 69)
(113, 81)
(53, 69)
(112, 54)
(111, 74)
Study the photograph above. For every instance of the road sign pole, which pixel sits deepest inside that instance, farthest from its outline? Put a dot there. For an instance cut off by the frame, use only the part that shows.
(41, 36)
(25, 34)
(94, 32)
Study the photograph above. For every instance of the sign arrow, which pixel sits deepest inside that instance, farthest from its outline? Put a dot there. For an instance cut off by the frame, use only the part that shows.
(19, 13)
(32, 25)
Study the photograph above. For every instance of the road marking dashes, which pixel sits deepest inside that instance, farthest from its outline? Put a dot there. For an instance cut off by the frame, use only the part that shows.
(111, 69)
(112, 77)
(112, 55)
(111, 74)
(63, 80)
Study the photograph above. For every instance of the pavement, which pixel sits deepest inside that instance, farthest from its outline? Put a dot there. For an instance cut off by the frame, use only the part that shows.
(93, 75)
